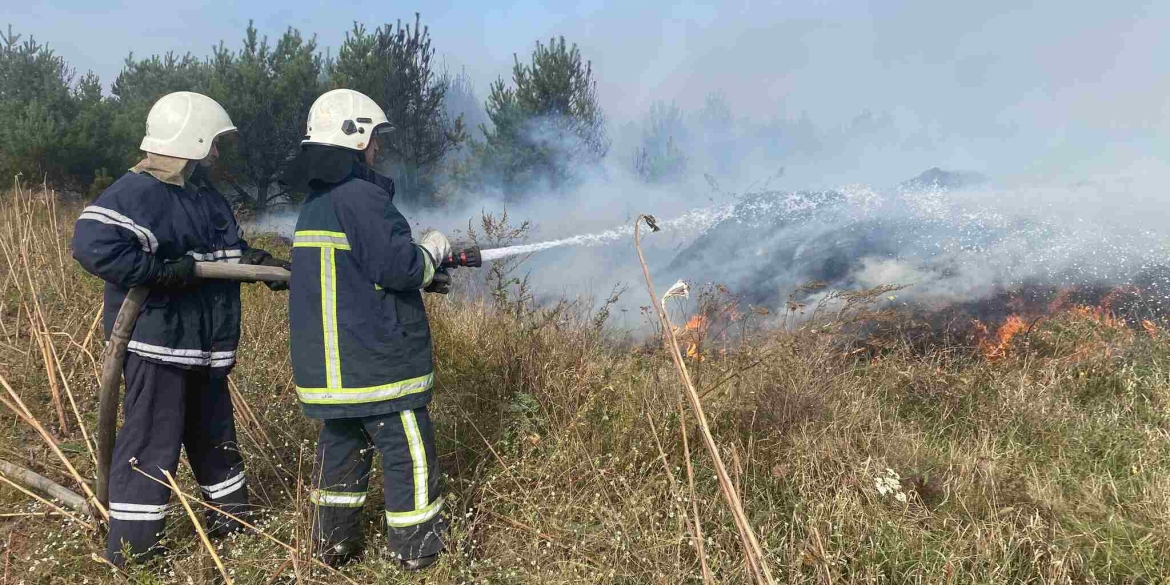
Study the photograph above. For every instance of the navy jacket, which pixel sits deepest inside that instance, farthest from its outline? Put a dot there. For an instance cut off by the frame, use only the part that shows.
(140, 220)
(361, 344)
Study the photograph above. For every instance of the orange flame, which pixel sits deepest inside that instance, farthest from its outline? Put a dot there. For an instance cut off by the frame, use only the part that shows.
(997, 348)
(696, 323)
(695, 328)
(1101, 315)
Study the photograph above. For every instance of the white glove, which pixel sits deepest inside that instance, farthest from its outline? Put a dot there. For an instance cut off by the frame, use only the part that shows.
(436, 245)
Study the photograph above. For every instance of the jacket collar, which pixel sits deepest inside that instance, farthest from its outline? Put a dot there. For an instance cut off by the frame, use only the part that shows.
(168, 169)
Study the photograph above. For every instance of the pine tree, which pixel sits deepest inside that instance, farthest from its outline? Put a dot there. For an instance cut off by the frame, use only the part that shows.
(547, 123)
(35, 105)
(268, 91)
(660, 157)
(394, 66)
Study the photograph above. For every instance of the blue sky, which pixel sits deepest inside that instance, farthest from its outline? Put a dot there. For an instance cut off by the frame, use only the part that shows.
(1053, 71)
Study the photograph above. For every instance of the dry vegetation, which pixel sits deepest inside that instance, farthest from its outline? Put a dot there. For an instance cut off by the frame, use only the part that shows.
(563, 457)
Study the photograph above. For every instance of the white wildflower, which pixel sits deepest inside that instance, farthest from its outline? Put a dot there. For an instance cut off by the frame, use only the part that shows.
(890, 483)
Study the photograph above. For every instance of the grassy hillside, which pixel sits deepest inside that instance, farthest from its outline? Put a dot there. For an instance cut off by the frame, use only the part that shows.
(1046, 460)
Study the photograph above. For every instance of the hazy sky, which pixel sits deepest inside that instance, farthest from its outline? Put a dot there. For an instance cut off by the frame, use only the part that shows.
(1056, 72)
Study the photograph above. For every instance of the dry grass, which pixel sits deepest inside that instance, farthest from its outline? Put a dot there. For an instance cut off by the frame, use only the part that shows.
(1048, 464)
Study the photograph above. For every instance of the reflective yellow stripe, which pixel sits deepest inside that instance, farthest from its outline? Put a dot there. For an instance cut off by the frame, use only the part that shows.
(321, 245)
(414, 517)
(368, 394)
(418, 457)
(320, 233)
(338, 499)
(320, 239)
(329, 318)
(428, 268)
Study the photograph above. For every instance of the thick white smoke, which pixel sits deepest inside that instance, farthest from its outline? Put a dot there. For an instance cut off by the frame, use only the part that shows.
(1058, 110)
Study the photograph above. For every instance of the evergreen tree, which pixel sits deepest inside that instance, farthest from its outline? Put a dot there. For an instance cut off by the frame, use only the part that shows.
(394, 66)
(268, 91)
(547, 123)
(41, 109)
(660, 157)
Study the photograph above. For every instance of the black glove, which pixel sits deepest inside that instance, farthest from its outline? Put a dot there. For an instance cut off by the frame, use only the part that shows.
(258, 257)
(441, 283)
(174, 274)
(276, 284)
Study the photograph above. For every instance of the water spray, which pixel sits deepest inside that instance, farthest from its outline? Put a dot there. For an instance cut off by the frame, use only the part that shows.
(697, 219)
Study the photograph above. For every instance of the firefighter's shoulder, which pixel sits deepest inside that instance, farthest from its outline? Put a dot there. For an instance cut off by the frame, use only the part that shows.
(133, 197)
(356, 195)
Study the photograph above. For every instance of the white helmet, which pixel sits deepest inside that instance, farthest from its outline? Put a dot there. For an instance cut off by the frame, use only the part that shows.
(184, 124)
(345, 118)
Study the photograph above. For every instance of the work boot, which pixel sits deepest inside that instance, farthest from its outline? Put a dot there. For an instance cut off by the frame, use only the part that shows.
(342, 553)
(419, 563)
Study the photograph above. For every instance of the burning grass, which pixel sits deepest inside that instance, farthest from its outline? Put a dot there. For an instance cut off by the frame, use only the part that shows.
(1040, 454)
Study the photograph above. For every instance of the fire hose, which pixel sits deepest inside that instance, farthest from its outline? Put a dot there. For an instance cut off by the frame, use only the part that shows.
(115, 352)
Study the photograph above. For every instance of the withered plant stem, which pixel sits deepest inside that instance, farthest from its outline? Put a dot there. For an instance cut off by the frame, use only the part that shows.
(73, 405)
(27, 415)
(752, 552)
(39, 325)
(198, 527)
(696, 530)
(246, 524)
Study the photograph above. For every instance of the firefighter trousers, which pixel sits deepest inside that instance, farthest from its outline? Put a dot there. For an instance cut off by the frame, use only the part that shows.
(168, 407)
(345, 451)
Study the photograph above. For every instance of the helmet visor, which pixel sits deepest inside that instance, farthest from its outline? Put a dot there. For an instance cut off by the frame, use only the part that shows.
(382, 134)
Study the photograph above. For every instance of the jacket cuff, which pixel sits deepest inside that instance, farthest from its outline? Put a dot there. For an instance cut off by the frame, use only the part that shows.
(428, 268)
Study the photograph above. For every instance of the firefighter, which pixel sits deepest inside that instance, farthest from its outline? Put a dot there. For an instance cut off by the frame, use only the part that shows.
(361, 344)
(148, 229)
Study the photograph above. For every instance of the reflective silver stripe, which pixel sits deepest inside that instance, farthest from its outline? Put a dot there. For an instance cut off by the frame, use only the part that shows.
(110, 217)
(191, 357)
(329, 318)
(223, 488)
(222, 359)
(404, 519)
(418, 458)
(387, 392)
(230, 256)
(338, 499)
(137, 516)
(137, 507)
(137, 512)
(312, 238)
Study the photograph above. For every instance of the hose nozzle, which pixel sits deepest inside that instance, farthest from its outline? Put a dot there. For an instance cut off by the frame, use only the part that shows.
(463, 257)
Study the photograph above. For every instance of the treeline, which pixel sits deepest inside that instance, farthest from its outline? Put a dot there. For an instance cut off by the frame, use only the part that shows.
(532, 132)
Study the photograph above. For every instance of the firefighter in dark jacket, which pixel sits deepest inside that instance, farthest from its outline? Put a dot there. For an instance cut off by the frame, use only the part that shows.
(148, 229)
(361, 344)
